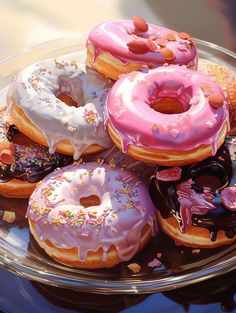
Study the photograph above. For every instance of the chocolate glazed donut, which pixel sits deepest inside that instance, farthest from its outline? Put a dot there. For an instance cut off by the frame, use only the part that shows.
(31, 163)
(197, 204)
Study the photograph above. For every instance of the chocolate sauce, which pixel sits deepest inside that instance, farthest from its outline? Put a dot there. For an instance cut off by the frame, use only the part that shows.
(32, 161)
(216, 173)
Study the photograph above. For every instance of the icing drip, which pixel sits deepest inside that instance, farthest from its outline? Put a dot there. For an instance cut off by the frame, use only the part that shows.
(35, 90)
(117, 221)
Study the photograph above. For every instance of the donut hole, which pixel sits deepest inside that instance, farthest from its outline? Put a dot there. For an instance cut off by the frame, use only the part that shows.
(91, 200)
(67, 100)
(70, 90)
(168, 106)
(22, 140)
(211, 175)
(170, 97)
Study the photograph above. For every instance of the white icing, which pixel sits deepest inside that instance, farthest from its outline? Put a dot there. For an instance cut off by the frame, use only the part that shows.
(35, 89)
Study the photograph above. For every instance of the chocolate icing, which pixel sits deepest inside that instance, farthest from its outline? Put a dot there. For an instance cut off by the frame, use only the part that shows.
(216, 173)
(32, 161)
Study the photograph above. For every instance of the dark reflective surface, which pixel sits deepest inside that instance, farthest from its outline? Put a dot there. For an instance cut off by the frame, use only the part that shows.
(18, 295)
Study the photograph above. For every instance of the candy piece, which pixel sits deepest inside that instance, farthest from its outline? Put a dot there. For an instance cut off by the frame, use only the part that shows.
(138, 46)
(228, 198)
(167, 54)
(140, 24)
(170, 174)
(216, 100)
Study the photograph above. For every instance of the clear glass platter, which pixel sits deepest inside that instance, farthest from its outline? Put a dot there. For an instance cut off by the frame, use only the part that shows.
(180, 267)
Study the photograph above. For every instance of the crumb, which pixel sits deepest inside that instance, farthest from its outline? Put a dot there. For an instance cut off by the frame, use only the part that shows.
(134, 267)
(196, 251)
(9, 216)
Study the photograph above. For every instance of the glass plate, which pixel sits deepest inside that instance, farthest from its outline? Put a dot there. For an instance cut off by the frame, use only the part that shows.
(181, 266)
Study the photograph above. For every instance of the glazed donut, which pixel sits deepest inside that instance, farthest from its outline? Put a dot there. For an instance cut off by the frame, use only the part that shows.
(31, 163)
(225, 77)
(91, 216)
(169, 116)
(36, 108)
(122, 46)
(197, 204)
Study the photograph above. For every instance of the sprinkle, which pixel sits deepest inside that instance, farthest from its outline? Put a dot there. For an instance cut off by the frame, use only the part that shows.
(112, 163)
(194, 100)
(154, 263)
(174, 132)
(209, 124)
(100, 161)
(9, 216)
(154, 126)
(134, 267)
(196, 251)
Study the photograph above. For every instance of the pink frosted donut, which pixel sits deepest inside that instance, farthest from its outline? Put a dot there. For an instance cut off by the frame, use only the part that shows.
(91, 215)
(170, 116)
(122, 46)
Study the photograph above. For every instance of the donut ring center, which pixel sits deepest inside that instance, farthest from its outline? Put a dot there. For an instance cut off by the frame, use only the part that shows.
(70, 91)
(211, 175)
(89, 201)
(170, 97)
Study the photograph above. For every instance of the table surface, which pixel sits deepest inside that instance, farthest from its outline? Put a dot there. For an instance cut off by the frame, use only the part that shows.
(18, 295)
(29, 22)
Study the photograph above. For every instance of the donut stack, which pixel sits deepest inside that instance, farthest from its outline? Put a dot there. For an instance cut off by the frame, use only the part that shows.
(140, 90)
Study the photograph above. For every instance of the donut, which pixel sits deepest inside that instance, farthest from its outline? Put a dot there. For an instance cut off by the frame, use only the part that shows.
(225, 77)
(197, 203)
(59, 104)
(31, 163)
(91, 216)
(170, 116)
(122, 46)
(7, 149)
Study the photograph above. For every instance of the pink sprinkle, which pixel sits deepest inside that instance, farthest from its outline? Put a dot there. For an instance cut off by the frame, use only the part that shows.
(154, 263)
(209, 124)
(84, 234)
(174, 132)
(170, 174)
(91, 222)
(228, 198)
(128, 178)
(194, 100)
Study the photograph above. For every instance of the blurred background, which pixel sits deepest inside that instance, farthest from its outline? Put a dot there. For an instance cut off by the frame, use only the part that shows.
(28, 22)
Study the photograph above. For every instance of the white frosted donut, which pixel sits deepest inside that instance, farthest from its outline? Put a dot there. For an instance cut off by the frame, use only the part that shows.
(80, 232)
(39, 114)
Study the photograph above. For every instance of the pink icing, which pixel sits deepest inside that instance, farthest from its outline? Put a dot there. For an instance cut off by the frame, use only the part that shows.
(113, 36)
(192, 202)
(129, 110)
(228, 198)
(170, 174)
(124, 210)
